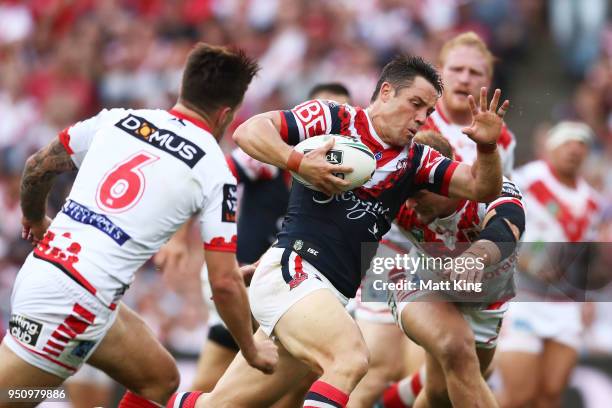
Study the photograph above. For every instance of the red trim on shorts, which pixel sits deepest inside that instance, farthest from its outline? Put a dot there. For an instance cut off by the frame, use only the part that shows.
(199, 123)
(44, 356)
(51, 351)
(55, 345)
(84, 313)
(506, 201)
(60, 337)
(66, 330)
(75, 324)
(64, 138)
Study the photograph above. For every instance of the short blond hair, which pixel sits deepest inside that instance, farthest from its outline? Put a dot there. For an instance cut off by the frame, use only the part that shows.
(468, 39)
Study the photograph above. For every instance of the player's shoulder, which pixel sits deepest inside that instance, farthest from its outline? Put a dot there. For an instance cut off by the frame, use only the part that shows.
(530, 172)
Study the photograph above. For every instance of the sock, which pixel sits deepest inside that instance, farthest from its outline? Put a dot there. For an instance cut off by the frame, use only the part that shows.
(131, 400)
(184, 399)
(403, 393)
(324, 395)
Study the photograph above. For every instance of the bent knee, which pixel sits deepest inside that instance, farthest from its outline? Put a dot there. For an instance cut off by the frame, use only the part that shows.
(350, 362)
(457, 351)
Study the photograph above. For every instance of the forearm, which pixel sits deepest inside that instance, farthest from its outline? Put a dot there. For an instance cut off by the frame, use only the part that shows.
(485, 250)
(231, 301)
(487, 176)
(259, 138)
(38, 177)
(35, 187)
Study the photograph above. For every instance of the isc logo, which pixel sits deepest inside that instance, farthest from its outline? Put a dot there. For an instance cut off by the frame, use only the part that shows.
(162, 139)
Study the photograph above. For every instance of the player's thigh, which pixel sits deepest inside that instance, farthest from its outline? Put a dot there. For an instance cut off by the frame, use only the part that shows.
(558, 360)
(16, 373)
(318, 330)
(439, 327)
(242, 386)
(214, 360)
(130, 354)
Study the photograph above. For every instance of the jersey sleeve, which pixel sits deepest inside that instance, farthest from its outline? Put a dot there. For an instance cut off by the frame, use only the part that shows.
(247, 169)
(434, 171)
(311, 118)
(218, 215)
(77, 138)
(510, 195)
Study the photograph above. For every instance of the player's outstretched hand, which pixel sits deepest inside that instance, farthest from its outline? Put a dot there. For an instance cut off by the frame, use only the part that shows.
(486, 122)
(34, 231)
(265, 356)
(316, 170)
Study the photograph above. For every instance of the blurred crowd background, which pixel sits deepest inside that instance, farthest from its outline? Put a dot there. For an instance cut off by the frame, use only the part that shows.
(63, 60)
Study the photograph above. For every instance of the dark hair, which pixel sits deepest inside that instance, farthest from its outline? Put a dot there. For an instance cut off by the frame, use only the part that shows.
(331, 87)
(401, 71)
(435, 139)
(215, 77)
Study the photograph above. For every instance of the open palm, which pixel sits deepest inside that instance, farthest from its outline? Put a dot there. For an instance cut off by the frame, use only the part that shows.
(486, 122)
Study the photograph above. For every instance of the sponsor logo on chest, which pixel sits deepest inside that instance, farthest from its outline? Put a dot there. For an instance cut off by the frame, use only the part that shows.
(166, 140)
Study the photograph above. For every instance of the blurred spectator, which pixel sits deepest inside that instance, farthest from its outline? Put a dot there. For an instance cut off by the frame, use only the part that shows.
(576, 26)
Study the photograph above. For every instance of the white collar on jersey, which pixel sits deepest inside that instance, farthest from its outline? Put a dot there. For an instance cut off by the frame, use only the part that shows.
(373, 131)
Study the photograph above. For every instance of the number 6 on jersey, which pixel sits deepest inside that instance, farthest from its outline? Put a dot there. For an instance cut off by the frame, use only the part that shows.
(123, 185)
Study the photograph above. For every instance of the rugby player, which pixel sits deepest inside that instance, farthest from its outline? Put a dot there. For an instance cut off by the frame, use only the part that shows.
(466, 65)
(262, 206)
(141, 175)
(301, 285)
(459, 339)
(541, 335)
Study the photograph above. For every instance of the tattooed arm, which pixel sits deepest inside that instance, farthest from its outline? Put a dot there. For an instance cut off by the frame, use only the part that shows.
(38, 176)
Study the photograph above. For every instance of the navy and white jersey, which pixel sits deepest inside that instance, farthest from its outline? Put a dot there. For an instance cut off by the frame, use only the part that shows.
(328, 231)
(263, 204)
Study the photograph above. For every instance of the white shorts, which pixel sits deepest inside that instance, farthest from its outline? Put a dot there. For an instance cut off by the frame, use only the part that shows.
(485, 323)
(528, 324)
(374, 312)
(281, 280)
(55, 323)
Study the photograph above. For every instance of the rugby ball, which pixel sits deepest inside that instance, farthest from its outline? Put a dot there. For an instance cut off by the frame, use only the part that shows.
(346, 151)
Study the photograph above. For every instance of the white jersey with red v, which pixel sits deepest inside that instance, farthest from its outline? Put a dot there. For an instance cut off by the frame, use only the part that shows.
(142, 174)
(557, 212)
(335, 227)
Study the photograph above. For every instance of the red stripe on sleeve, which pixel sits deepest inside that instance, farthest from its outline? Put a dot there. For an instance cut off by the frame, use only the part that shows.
(64, 138)
(447, 178)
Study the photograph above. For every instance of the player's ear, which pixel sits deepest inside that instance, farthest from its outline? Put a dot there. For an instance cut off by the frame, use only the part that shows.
(226, 114)
(386, 91)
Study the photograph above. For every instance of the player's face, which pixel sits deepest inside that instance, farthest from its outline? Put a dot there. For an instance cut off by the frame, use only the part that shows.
(406, 110)
(567, 159)
(464, 72)
(430, 206)
(339, 98)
